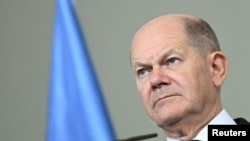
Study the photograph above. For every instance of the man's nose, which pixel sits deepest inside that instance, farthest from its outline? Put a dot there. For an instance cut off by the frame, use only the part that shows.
(159, 77)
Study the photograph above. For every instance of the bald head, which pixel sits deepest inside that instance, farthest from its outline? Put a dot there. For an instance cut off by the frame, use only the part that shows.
(195, 31)
(164, 22)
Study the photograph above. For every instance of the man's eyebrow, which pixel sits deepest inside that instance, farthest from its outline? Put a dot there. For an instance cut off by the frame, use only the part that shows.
(164, 54)
(137, 64)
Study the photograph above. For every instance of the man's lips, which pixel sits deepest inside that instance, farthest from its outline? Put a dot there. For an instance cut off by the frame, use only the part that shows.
(163, 97)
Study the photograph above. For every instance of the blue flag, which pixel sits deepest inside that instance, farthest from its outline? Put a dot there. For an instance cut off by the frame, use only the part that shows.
(76, 110)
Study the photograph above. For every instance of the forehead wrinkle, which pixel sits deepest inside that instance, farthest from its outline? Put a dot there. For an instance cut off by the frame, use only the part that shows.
(150, 35)
(147, 54)
(152, 44)
(141, 61)
(157, 57)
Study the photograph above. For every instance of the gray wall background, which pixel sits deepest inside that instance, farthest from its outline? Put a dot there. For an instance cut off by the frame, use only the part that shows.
(25, 43)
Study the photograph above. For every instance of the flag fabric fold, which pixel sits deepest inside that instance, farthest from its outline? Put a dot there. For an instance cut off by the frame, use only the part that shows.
(76, 107)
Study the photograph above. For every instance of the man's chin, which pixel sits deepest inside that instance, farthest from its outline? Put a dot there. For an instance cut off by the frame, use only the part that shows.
(167, 119)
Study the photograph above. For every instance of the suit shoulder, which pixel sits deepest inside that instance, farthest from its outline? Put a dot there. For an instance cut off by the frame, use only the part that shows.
(241, 121)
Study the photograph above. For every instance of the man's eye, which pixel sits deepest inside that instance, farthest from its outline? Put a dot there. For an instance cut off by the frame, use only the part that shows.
(172, 61)
(142, 72)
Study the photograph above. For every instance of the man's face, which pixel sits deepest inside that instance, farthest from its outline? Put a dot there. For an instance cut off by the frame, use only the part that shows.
(173, 80)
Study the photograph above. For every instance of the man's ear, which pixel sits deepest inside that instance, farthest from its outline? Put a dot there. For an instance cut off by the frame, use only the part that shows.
(219, 67)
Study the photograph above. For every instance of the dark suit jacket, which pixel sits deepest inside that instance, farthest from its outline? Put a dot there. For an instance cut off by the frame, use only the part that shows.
(241, 121)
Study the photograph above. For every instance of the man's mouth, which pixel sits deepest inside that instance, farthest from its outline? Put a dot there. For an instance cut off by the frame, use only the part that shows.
(163, 98)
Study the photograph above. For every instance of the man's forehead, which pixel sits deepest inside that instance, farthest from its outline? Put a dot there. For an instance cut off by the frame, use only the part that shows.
(158, 30)
(160, 25)
(153, 42)
(165, 27)
(170, 20)
(148, 56)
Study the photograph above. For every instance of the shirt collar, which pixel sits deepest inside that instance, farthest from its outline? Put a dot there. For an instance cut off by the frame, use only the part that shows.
(222, 118)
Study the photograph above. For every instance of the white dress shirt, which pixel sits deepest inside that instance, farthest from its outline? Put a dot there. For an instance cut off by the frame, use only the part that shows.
(223, 118)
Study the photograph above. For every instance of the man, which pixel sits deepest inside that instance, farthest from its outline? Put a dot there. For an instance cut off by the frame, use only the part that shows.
(179, 70)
